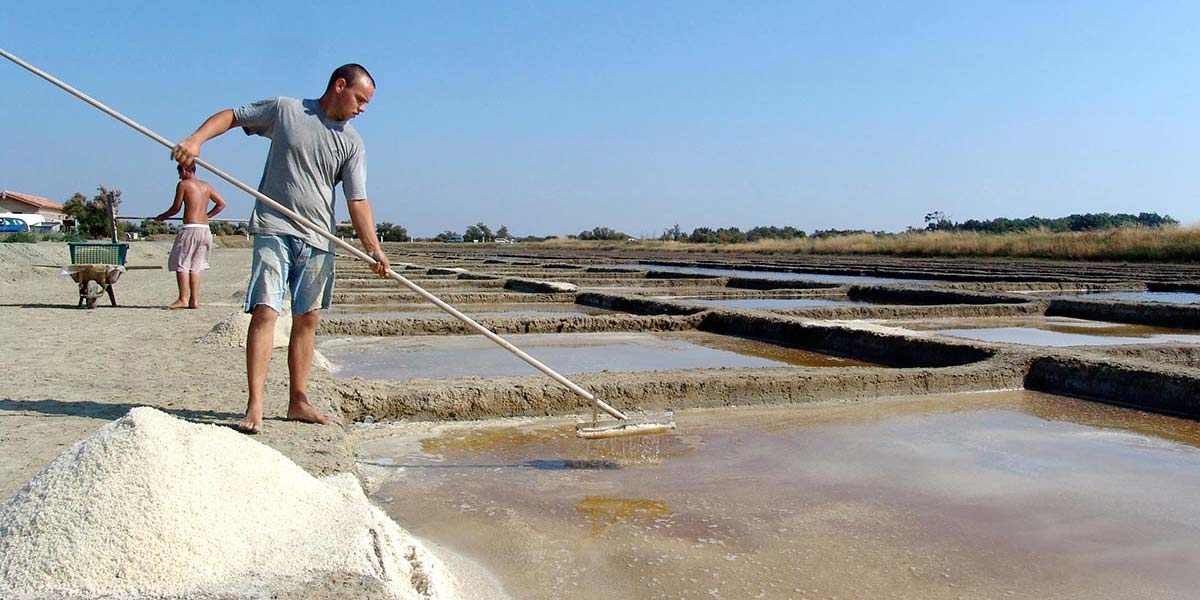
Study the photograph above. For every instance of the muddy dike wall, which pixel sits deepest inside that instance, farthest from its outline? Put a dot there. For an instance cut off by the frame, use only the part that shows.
(1184, 355)
(353, 285)
(476, 398)
(622, 270)
(1047, 286)
(518, 284)
(506, 325)
(637, 304)
(1173, 286)
(1159, 388)
(749, 283)
(922, 296)
(864, 344)
(1177, 316)
(914, 312)
(449, 297)
(893, 272)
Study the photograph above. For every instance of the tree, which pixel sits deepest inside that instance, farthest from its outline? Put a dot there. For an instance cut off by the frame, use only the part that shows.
(151, 227)
(502, 232)
(441, 237)
(602, 233)
(472, 234)
(937, 220)
(485, 232)
(91, 216)
(391, 233)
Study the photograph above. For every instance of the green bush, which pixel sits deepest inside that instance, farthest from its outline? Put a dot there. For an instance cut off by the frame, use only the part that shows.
(23, 237)
(26, 237)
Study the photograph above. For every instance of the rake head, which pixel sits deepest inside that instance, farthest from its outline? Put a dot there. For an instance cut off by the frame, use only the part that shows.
(594, 429)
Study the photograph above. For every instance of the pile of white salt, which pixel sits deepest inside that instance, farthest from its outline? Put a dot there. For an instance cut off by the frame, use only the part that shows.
(151, 506)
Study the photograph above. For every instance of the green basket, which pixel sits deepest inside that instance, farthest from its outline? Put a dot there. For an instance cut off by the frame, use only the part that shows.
(98, 253)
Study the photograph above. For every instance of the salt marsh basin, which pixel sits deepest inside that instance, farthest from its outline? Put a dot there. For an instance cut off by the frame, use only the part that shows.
(967, 495)
(439, 357)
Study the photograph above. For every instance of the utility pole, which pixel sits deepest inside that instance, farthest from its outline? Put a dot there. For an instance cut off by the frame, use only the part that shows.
(112, 214)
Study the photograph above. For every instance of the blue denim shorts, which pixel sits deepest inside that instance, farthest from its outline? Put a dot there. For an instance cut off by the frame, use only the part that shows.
(283, 262)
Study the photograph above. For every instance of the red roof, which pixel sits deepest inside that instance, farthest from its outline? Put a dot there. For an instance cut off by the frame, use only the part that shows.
(35, 201)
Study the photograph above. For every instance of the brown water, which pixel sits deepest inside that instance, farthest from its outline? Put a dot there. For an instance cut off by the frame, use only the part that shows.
(998, 495)
(442, 357)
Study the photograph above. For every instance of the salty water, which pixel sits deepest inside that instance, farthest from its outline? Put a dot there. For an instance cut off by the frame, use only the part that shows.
(996, 495)
(428, 311)
(441, 357)
(1168, 297)
(1060, 332)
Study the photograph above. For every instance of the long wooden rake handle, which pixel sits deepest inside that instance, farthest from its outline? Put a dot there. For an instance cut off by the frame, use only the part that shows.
(363, 256)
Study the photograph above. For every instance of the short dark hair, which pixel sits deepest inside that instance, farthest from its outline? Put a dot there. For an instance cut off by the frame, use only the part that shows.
(179, 168)
(351, 72)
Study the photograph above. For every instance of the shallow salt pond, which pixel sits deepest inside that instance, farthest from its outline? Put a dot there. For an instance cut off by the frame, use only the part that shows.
(441, 357)
(986, 495)
(428, 311)
(1061, 332)
(1168, 297)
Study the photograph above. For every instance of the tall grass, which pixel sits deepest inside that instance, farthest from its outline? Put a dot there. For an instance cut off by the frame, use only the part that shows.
(1165, 244)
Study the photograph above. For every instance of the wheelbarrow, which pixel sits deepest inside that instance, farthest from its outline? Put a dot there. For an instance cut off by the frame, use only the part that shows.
(96, 266)
(94, 281)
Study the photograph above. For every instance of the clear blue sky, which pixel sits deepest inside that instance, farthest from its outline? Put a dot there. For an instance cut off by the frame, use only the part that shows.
(553, 117)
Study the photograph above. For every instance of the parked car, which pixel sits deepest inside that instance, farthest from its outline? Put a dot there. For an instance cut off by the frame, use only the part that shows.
(13, 225)
(30, 219)
(454, 239)
(503, 241)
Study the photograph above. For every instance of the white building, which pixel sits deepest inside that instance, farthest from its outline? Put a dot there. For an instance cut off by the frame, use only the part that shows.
(15, 202)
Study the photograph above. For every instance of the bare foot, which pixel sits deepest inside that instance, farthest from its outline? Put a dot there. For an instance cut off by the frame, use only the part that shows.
(300, 410)
(177, 304)
(193, 305)
(252, 422)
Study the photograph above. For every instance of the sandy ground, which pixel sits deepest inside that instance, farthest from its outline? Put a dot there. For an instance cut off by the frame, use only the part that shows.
(67, 371)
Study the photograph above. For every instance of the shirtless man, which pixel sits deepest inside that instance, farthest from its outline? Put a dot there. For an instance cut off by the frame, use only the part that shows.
(189, 255)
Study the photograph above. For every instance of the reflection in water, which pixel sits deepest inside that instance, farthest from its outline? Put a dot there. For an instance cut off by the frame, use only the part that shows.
(1059, 335)
(608, 512)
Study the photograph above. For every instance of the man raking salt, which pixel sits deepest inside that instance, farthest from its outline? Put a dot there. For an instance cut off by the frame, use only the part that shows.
(313, 148)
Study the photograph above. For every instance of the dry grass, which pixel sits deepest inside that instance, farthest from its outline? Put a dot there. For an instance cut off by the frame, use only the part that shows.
(1168, 244)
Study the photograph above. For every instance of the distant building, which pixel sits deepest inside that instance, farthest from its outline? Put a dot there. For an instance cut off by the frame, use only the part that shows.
(16, 202)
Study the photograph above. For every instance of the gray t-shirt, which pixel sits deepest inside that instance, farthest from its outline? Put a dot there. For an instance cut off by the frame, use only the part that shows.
(309, 155)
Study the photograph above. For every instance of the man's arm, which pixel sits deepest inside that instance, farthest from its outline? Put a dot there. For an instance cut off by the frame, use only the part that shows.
(217, 200)
(175, 206)
(187, 151)
(363, 219)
